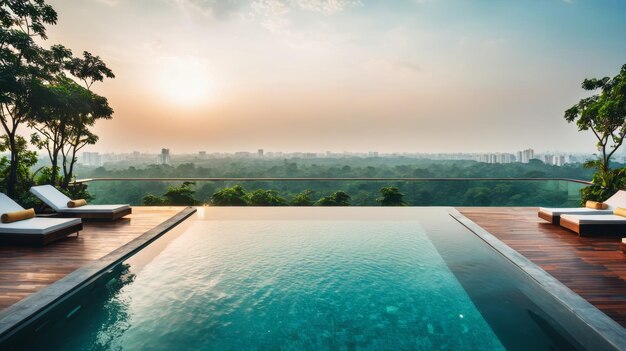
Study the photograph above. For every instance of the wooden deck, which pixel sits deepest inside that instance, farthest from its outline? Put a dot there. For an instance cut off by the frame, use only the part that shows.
(595, 268)
(25, 270)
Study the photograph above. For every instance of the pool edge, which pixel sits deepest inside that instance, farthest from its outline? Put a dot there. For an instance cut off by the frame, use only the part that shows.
(25, 311)
(589, 314)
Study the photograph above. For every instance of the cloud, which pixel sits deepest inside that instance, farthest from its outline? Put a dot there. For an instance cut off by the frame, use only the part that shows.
(270, 10)
(408, 65)
(220, 9)
(326, 6)
(110, 2)
(386, 65)
(272, 14)
(275, 14)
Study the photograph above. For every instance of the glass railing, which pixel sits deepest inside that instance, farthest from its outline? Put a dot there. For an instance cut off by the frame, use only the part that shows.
(552, 192)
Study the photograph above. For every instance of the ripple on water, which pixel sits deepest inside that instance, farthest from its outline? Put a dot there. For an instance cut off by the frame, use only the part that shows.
(298, 285)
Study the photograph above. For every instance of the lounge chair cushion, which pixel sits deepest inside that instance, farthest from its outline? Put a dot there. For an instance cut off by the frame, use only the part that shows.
(38, 225)
(574, 210)
(8, 205)
(595, 219)
(58, 202)
(617, 200)
(51, 196)
(96, 209)
(20, 215)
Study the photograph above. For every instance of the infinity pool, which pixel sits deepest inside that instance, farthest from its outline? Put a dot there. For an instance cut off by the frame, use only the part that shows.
(315, 279)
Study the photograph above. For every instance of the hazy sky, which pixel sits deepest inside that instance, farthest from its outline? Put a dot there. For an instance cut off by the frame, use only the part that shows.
(317, 75)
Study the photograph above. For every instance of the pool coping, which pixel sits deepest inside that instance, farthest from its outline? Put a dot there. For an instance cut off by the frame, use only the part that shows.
(589, 314)
(20, 314)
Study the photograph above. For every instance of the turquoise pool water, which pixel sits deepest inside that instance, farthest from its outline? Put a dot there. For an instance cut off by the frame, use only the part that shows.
(300, 285)
(261, 279)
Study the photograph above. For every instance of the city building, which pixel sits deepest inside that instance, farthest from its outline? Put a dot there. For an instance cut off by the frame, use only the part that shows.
(164, 157)
(525, 156)
(91, 159)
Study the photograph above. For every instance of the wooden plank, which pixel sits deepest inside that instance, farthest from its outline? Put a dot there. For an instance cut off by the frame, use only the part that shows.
(593, 267)
(25, 270)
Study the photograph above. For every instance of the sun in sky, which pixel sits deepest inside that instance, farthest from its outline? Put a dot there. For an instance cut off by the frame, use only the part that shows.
(183, 80)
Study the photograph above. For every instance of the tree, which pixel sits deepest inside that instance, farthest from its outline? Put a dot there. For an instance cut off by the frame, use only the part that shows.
(153, 200)
(262, 197)
(603, 113)
(89, 69)
(338, 198)
(61, 113)
(51, 108)
(302, 199)
(233, 196)
(181, 195)
(23, 64)
(391, 196)
(478, 196)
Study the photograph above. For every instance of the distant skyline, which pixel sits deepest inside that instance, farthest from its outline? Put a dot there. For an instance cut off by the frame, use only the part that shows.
(344, 75)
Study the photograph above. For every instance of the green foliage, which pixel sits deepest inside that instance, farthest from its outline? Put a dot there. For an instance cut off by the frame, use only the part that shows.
(605, 184)
(44, 176)
(153, 200)
(182, 195)
(338, 198)
(603, 113)
(478, 196)
(78, 191)
(233, 196)
(391, 196)
(23, 64)
(24, 178)
(61, 112)
(363, 193)
(38, 90)
(302, 199)
(265, 198)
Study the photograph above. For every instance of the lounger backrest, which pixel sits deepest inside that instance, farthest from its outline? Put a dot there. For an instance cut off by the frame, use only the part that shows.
(8, 205)
(51, 196)
(617, 200)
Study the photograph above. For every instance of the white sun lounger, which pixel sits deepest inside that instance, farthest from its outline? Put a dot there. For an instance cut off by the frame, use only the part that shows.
(58, 202)
(553, 215)
(600, 225)
(34, 231)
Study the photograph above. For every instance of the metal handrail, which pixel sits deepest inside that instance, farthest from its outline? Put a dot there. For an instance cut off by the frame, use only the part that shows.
(255, 179)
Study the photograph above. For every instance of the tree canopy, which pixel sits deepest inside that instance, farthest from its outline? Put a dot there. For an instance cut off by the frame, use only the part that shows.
(391, 196)
(604, 114)
(39, 88)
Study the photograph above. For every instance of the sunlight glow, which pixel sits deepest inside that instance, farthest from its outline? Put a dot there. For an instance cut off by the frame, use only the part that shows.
(184, 80)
